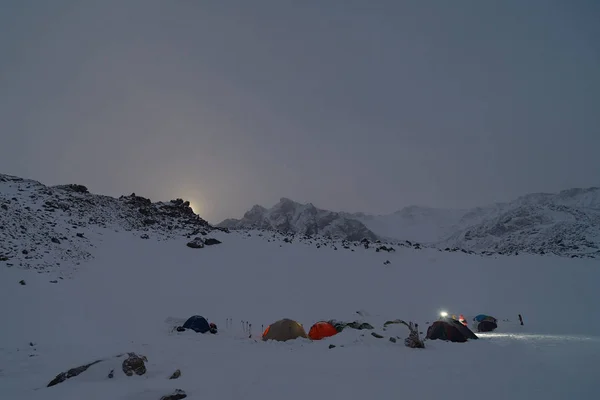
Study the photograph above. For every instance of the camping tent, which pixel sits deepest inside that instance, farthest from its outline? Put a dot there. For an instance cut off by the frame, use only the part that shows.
(486, 326)
(449, 329)
(463, 329)
(284, 329)
(485, 323)
(321, 330)
(199, 324)
(483, 317)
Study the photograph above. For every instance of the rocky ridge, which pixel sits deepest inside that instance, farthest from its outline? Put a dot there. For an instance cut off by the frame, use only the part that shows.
(289, 216)
(44, 226)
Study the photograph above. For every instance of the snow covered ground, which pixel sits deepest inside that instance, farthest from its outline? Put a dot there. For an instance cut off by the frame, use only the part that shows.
(133, 292)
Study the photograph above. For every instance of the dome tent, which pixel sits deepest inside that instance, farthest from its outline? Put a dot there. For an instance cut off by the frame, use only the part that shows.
(199, 324)
(321, 330)
(284, 330)
(449, 329)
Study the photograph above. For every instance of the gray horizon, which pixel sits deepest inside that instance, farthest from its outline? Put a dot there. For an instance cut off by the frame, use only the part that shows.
(349, 105)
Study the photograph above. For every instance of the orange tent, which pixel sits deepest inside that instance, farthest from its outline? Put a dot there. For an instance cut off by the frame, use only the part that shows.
(321, 330)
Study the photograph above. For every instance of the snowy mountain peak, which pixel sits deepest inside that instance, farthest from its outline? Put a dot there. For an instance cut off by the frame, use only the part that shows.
(574, 197)
(565, 223)
(286, 200)
(255, 210)
(292, 217)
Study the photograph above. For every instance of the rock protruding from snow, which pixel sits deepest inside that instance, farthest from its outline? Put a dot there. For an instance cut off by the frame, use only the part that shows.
(178, 394)
(63, 376)
(288, 216)
(134, 364)
(211, 241)
(196, 243)
(199, 242)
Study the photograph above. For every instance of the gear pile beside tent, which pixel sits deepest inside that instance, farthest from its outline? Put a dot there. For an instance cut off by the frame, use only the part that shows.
(413, 340)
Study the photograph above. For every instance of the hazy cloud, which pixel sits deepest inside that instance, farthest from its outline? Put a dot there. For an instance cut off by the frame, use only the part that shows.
(351, 105)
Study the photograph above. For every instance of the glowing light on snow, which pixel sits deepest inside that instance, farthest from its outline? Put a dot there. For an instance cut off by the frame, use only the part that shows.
(443, 314)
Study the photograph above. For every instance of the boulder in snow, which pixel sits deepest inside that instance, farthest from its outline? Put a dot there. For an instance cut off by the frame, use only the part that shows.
(196, 243)
(134, 364)
(211, 241)
(177, 395)
(63, 376)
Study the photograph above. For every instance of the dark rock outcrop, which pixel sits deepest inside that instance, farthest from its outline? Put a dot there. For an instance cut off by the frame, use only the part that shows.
(196, 243)
(63, 376)
(211, 241)
(177, 395)
(134, 364)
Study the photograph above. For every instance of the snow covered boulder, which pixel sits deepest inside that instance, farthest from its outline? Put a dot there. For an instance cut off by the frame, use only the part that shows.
(196, 243)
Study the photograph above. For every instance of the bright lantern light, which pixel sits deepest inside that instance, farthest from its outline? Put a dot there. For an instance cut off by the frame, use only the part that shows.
(443, 314)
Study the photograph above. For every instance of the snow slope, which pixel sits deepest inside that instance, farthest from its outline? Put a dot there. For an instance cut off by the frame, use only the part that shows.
(566, 223)
(131, 293)
(421, 224)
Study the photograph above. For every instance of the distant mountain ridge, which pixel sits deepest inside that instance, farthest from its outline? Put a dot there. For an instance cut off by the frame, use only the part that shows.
(306, 219)
(565, 223)
(38, 220)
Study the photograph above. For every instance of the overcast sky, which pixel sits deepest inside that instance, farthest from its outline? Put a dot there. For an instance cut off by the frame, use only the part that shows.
(351, 105)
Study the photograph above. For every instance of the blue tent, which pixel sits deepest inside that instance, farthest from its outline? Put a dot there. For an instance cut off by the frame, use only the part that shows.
(483, 317)
(197, 323)
(485, 323)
